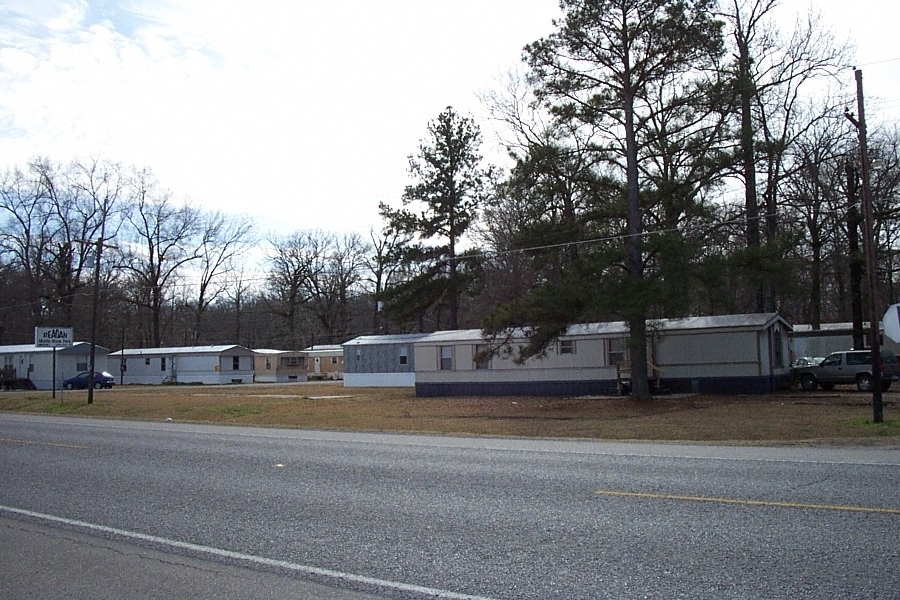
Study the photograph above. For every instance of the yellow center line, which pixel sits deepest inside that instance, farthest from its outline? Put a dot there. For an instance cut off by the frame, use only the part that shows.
(13, 441)
(865, 509)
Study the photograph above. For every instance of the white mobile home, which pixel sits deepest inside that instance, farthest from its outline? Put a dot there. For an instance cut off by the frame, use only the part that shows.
(189, 364)
(279, 366)
(380, 361)
(833, 337)
(28, 362)
(745, 354)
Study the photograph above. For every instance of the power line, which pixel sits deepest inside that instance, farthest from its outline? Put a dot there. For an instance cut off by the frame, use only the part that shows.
(877, 62)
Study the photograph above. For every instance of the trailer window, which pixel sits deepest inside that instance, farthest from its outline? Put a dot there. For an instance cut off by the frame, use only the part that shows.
(446, 358)
(482, 363)
(617, 351)
(779, 351)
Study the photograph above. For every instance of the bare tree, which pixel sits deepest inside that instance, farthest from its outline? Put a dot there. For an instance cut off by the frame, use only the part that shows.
(336, 281)
(382, 264)
(53, 216)
(223, 242)
(815, 204)
(162, 240)
(770, 76)
(237, 288)
(292, 261)
(27, 233)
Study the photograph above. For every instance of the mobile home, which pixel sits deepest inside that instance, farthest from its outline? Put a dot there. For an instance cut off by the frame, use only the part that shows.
(189, 364)
(380, 361)
(325, 362)
(745, 354)
(28, 362)
(833, 337)
(279, 366)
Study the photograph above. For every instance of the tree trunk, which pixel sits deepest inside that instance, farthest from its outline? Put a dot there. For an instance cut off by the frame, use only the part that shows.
(856, 260)
(637, 315)
(751, 201)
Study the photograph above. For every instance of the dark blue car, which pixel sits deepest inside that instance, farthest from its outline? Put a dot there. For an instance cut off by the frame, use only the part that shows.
(80, 381)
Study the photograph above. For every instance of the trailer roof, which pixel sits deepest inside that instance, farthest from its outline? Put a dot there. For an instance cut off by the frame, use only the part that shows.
(182, 350)
(75, 348)
(753, 321)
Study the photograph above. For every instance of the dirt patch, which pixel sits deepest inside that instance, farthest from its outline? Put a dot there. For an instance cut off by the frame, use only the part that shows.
(843, 416)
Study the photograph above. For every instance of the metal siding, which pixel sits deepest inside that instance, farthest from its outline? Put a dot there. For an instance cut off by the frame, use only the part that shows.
(814, 345)
(427, 358)
(379, 379)
(765, 352)
(523, 375)
(707, 348)
(189, 368)
(378, 358)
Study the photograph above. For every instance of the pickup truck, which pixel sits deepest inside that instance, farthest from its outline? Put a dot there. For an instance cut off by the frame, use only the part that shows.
(848, 367)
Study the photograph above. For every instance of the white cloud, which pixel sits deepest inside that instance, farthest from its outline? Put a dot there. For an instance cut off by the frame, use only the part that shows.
(281, 109)
(301, 113)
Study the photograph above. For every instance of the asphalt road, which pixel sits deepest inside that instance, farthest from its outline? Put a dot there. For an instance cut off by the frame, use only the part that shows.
(305, 514)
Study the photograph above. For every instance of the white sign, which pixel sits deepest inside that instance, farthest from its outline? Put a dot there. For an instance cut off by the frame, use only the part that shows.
(891, 322)
(53, 337)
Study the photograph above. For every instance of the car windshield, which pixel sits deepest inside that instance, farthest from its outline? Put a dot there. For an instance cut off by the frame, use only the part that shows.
(834, 359)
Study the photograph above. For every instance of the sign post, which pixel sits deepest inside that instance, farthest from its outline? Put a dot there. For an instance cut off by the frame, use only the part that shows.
(53, 337)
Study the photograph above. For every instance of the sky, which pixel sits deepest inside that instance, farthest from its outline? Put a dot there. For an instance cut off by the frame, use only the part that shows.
(299, 114)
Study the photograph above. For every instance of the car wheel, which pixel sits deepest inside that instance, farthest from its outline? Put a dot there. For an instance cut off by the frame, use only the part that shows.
(885, 385)
(864, 382)
(98, 385)
(827, 386)
(808, 382)
(68, 386)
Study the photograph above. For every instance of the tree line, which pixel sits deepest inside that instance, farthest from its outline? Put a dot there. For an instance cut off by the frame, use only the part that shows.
(668, 158)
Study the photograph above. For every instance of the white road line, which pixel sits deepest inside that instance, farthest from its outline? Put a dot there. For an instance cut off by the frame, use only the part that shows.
(259, 560)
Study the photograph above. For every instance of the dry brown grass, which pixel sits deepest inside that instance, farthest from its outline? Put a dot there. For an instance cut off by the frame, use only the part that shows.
(842, 416)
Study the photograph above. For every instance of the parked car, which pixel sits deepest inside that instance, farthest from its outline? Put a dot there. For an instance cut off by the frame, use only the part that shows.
(80, 381)
(848, 367)
(807, 361)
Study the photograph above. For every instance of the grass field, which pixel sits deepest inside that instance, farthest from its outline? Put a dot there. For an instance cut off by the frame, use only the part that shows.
(791, 417)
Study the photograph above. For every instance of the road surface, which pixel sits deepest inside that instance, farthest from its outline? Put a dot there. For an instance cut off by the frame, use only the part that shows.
(305, 514)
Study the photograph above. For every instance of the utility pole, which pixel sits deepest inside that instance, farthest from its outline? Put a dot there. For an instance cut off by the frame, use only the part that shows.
(869, 243)
(99, 246)
(94, 320)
